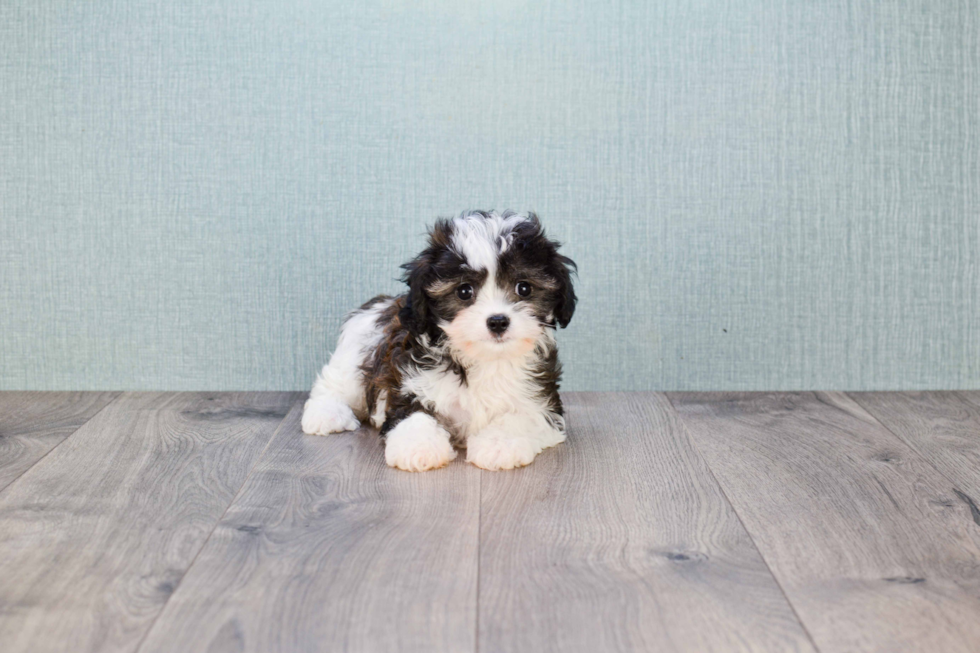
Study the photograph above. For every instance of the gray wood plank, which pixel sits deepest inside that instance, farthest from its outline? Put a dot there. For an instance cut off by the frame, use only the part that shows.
(943, 427)
(328, 549)
(620, 540)
(34, 423)
(972, 396)
(869, 541)
(96, 535)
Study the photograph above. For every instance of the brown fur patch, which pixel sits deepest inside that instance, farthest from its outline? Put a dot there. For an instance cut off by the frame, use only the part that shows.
(383, 367)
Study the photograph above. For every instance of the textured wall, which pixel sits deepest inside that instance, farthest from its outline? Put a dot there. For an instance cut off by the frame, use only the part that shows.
(759, 194)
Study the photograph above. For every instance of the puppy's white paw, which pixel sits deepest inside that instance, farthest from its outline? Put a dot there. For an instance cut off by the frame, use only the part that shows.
(494, 451)
(495, 455)
(513, 441)
(324, 415)
(418, 443)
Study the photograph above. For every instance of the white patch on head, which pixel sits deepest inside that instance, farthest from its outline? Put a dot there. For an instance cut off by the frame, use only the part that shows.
(480, 239)
(417, 444)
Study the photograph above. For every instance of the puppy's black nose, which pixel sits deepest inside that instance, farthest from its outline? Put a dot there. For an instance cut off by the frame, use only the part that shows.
(498, 323)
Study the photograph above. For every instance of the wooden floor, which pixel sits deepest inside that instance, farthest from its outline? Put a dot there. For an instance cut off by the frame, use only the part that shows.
(682, 522)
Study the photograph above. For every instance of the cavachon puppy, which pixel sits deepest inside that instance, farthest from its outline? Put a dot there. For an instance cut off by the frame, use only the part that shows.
(466, 358)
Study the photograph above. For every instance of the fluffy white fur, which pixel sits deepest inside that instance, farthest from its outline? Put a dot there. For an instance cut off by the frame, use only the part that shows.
(497, 412)
(418, 443)
(337, 399)
(481, 240)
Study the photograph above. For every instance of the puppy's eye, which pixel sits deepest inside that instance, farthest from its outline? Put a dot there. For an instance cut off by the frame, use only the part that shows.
(465, 292)
(523, 288)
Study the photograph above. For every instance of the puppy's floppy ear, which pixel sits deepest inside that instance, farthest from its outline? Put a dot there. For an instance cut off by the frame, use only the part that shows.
(530, 236)
(561, 268)
(419, 273)
(565, 307)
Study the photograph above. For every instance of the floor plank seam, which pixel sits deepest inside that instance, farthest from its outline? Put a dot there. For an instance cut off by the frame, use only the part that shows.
(724, 493)
(48, 453)
(479, 564)
(968, 500)
(217, 522)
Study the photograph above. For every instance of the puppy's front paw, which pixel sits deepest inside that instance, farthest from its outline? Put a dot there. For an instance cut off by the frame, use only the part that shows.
(417, 444)
(324, 415)
(493, 450)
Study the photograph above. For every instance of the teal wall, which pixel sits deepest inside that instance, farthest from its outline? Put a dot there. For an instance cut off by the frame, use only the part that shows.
(760, 195)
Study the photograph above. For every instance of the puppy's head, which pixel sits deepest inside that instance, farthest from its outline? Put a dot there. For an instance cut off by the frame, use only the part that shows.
(491, 283)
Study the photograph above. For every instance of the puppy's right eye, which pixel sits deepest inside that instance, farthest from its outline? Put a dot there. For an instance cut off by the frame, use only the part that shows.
(465, 292)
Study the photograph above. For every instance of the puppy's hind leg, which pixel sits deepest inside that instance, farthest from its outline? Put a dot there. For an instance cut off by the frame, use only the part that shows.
(326, 411)
(338, 395)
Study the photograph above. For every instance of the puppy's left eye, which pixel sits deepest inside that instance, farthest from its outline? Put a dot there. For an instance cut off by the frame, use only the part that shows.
(523, 288)
(465, 292)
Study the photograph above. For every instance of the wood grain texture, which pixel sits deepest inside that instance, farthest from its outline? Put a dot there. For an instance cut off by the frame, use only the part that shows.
(328, 549)
(620, 540)
(97, 535)
(871, 544)
(34, 423)
(943, 427)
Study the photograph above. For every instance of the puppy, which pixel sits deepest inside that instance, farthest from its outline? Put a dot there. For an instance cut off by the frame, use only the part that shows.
(466, 358)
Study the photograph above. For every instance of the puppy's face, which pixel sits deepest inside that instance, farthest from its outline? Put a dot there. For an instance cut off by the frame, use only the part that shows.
(492, 283)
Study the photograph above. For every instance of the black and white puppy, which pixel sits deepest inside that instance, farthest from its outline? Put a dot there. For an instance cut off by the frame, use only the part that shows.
(466, 357)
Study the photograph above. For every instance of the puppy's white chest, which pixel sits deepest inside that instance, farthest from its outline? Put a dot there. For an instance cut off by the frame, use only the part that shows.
(455, 413)
(489, 392)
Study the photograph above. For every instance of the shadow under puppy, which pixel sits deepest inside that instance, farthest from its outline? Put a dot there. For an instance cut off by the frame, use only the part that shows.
(466, 357)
